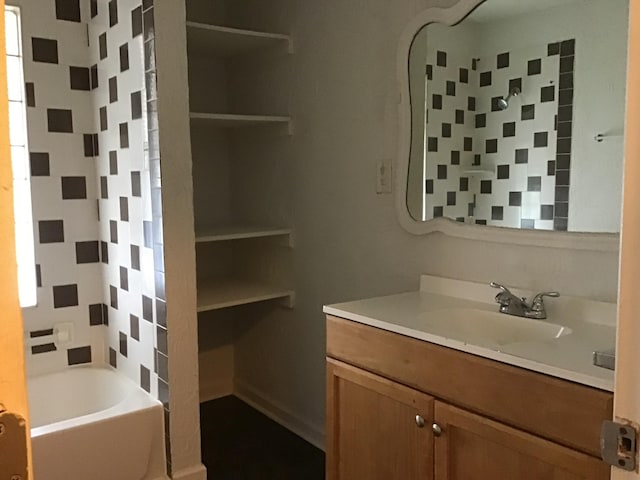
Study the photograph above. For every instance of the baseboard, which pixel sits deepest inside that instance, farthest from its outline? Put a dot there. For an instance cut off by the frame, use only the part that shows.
(198, 472)
(215, 390)
(281, 414)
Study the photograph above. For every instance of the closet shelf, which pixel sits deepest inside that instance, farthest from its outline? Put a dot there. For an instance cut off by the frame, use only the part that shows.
(229, 120)
(215, 295)
(239, 232)
(228, 42)
(479, 171)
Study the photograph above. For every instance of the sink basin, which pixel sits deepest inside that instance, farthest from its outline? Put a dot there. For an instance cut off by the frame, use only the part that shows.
(491, 329)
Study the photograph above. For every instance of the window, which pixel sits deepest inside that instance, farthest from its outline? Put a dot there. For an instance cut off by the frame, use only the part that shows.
(20, 161)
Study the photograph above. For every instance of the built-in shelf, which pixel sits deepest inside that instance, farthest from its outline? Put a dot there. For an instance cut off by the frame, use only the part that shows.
(478, 171)
(231, 293)
(229, 120)
(235, 232)
(228, 42)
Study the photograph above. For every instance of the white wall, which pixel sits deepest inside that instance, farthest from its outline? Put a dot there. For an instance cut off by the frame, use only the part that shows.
(349, 245)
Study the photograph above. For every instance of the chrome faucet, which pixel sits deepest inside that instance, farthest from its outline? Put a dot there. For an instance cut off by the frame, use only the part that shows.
(513, 305)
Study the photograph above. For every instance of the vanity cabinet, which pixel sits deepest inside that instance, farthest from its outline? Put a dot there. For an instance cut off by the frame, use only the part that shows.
(401, 408)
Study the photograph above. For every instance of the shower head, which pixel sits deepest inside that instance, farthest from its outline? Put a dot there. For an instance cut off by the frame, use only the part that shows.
(503, 103)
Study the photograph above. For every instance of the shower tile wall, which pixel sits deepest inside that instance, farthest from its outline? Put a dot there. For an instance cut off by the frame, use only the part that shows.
(60, 132)
(508, 172)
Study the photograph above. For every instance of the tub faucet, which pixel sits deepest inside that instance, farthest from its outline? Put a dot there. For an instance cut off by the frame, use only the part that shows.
(513, 305)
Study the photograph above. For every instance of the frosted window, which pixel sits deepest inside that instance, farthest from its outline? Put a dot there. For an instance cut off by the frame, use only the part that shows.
(20, 162)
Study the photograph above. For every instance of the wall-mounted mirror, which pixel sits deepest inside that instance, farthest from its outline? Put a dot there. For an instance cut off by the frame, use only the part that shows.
(517, 116)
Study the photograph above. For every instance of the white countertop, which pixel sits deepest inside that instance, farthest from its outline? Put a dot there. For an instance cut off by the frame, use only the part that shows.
(568, 357)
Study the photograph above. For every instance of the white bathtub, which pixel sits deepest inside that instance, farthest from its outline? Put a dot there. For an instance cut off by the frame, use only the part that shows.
(93, 424)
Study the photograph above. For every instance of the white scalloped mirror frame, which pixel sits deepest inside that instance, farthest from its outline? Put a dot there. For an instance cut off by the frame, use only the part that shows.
(606, 242)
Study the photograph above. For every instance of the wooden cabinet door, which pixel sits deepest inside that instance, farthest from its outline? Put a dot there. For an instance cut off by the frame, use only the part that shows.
(372, 429)
(473, 447)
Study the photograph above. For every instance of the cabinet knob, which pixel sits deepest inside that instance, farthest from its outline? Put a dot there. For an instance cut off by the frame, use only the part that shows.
(437, 429)
(419, 421)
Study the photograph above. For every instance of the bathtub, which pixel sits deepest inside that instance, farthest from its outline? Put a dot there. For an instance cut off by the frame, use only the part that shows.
(93, 424)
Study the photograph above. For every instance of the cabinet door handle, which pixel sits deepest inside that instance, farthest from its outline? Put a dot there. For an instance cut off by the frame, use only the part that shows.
(437, 429)
(419, 421)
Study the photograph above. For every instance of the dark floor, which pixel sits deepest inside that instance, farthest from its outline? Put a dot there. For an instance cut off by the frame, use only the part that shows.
(240, 443)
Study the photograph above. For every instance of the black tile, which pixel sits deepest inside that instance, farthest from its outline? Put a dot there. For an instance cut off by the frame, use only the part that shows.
(438, 212)
(429, 72)
(74, 188)
(560, 224)
(124, 279)
(563, 162)
(474, 64)
(163, 367)
(113, 89)
(104, 120)
(463, 75)
(59, 120)
(136, 22)
(470, 209)
(147, 4)
(79, 78)
(102, 46)
(527, 224)
(468, 144)
(136, 105)
(553, 49)
(481, 222)
(502, 60)
(44, 50)
(113, 162)
(546, 212)
(161, 312)
(446, 130)
(564, 129)
(509, 129)
(163, 392)
(436, 102)
(122, 344)
(105, 314)
(540, 139)
(45, 348)
(38, 276)
(124, 57)
(441, 58)
(562, 209)
(565, 114)
(460, 117)
(451, 198)
(534, 184)
(94, 77)
(136, 189)
(96, 145)
(485, 79)
(528, 112)
(39, 163)
(113, 231)
(68, 10)
(548, 94)
(566, 64)
(124, 135)
(565, 97)
(515, 83)
(149, 25)
(471, 104)
(145, 379)
(428, 186)
(481, 120)
(104, 188)
(51, 231)
(104, 252)
(551, 168)
(113, 13)
(464, 184)
(442, 172)
(147, 309)
(495, 104)
(563, 145)
(534, 67)
(563, 177)
(455, 157)
(491, 145)
(113, 297)
(149, 55)
(432, 144)
(87, 252)
(95, 314)
(497, 213)
(65, 296)
(451, 88)
(485, 186)
(87, 140)
(503, 172)
(567, 48)
(134, 327)
(515, 199)
(161, 335)
(78, 356)
(566, 81)
(124, 209)
(113, 358)
(41, 333)
(135, 257)
(30, 91)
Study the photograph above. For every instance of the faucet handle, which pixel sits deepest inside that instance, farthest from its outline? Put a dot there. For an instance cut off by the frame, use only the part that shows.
(537, 303)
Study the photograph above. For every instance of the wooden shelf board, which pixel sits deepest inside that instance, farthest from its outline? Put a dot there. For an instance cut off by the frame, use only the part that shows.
(228, 42)
(231, 293)
(233, 120)
(238, 232)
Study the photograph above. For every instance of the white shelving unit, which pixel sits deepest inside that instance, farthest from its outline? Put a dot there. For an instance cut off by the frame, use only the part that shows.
(228, 120)
(232, 293)
(240, 232)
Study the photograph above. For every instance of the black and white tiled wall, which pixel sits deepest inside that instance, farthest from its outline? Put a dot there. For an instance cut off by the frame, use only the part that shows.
(488, 166)
(95, 173)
